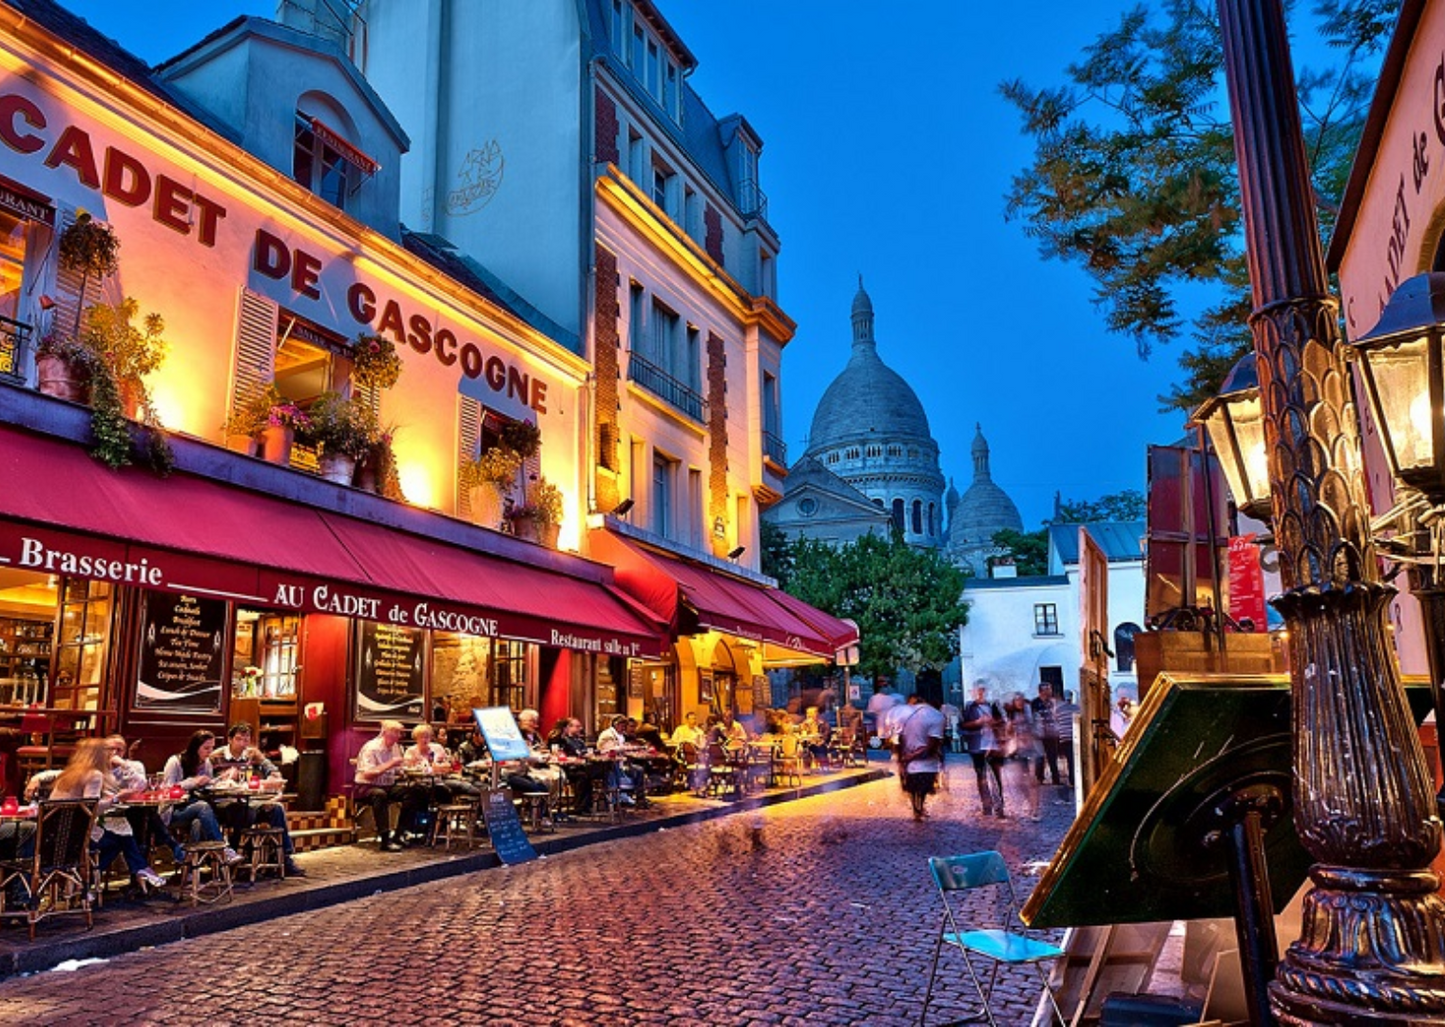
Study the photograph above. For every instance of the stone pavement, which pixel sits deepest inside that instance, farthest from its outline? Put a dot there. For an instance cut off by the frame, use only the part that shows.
(816, 911)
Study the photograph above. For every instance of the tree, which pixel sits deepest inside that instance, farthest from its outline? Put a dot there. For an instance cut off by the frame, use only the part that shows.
(1029, 549)
(776, 558)
(1133, 175)
(1129, 505)
(906, 601)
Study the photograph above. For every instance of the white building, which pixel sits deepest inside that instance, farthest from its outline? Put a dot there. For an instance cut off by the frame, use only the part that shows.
(1024, 631)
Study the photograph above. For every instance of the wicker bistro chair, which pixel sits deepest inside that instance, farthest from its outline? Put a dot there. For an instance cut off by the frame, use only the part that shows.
(57, 876)
(722, 773)
(994, 940)
(788, 760)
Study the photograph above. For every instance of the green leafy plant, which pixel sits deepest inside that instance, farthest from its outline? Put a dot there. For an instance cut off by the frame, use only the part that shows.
(339, 425)
(261, 408)
(91, 249)
(543, 503)
(522, 437)
(375, 362)
(497, 466)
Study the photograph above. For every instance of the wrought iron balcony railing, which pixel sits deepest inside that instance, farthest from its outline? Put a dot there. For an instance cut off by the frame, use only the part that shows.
(775, 449)
(13, 336)
(663, 385)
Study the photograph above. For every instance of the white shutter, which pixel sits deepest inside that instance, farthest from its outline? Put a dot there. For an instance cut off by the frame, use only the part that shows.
(64, 318)
(255, 352)
(469, 441)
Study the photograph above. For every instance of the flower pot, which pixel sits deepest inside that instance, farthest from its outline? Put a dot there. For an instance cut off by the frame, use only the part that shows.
(132, 393)
(533, 529)
(485, 503)
(243, 444)
(337, 467)
(368, 474)
(276, 444)
(549, 533)
(56, 377)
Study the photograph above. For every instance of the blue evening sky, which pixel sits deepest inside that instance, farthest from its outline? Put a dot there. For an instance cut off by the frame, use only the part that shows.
(887, 151)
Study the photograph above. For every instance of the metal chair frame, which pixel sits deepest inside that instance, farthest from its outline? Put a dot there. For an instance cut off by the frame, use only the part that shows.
(999, 944)
(59, 872)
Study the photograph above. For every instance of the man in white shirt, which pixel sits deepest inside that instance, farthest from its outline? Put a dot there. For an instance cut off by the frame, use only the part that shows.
(920, 754)
(611, 741)
(688, 733)
(377, 767)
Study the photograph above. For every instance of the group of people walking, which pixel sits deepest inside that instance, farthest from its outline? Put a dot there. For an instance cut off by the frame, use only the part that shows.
(1032, 735)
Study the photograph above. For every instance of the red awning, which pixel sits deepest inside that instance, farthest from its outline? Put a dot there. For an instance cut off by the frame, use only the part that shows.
(686, 592)
(201, 537)
(839, 632)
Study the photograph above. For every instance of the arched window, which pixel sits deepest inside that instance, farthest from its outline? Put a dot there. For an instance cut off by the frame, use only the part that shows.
(918, 517)
(318, 163)
(1124, 646)
(932, 520)
(898, 515)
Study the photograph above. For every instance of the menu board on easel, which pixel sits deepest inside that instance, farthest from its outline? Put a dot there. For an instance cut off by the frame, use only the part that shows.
(390, 680)
(182, 653)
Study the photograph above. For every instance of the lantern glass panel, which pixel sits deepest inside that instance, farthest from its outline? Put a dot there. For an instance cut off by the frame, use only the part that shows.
(1405, 410)
(1241, 452)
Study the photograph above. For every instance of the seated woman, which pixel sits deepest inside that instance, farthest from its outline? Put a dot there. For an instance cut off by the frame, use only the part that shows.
(541, 768)
(426, 754)
(816, 733)
(88, 776)
(192, 769)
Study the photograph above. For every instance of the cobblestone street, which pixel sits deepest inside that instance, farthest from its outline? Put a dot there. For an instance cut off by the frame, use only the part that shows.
(818, 911)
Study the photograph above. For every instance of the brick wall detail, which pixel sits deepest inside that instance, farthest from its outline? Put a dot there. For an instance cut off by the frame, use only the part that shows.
(606, 330)
(605, 125)
(713, 238)
(717, 426)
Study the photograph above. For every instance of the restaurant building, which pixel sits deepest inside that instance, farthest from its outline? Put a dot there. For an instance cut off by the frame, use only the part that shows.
(573, 125)
(252, 184)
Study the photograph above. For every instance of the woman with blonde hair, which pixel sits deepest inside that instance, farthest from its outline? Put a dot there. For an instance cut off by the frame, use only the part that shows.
(87, 776)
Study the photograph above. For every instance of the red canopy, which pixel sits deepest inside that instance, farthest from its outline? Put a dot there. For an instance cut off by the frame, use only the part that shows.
(193, 535)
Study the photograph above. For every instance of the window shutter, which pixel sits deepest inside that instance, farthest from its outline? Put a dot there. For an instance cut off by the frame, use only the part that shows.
(64, 318)
(469, 441)
(255, 352)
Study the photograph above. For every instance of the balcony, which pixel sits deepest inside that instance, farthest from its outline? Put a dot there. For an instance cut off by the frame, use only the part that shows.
(663, 385)
(752, 201)
(13, 335)
(775, 449)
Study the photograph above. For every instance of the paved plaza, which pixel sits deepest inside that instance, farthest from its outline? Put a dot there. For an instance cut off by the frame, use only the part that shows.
(816, 911)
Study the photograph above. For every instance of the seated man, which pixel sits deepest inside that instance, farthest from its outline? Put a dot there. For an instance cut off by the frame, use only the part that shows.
(145, 821)
(580, 775)
(378, 767)
(513, 776)
(688, 733)
(625, 777)
(815, 732)
(237, 760)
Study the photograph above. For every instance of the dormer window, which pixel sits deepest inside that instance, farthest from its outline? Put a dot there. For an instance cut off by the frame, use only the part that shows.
(319, 166)
(650, 59)
(324, 159)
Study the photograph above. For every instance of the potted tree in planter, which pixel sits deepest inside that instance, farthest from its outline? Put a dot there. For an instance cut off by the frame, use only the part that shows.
(487, 481)
(539, 518)
(344, 429)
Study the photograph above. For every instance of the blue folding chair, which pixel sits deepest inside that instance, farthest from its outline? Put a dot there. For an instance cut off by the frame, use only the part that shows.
(996, 943)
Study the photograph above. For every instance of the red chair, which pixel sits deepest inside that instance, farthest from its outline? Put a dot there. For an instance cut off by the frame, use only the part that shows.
(45, 725)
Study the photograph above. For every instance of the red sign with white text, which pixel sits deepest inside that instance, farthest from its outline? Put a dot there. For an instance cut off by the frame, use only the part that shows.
(1246, 582)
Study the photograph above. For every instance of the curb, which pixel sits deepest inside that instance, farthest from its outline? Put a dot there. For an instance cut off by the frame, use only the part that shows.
(102, 943)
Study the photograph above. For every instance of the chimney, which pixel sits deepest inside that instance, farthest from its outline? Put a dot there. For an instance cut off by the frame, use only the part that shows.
(326, 19)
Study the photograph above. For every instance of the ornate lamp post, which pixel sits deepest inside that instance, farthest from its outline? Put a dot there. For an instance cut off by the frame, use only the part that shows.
(1403, 363)
(1372, 947)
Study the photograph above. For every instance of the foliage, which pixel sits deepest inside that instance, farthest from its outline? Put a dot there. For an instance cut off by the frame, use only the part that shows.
(339, 425)
(264, 407)
(522, 437)
(1029, 549)
(79, 356)
(776, 557)
(375, 362)
(89, 247)
(497, 466)
(543, 503)
(1133, 174)
(129, 352)
(1128, 505)
(906, 601)
(381, 455)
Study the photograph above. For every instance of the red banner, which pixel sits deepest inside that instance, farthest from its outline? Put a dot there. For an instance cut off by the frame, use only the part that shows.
(1246, 583)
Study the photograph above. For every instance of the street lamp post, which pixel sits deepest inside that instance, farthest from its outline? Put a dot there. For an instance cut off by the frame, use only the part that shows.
(1372, 945)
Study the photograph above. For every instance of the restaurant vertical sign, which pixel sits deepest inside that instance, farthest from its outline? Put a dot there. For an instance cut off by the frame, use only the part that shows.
(390, 678)
(182, 654)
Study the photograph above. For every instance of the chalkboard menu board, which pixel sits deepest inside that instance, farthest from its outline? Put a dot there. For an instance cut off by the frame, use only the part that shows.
(182, 654)
(390, 679)
(504, 827)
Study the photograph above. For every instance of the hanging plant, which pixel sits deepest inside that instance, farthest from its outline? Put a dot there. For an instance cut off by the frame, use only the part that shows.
(522, 437)
(90, 249)
(375, 362)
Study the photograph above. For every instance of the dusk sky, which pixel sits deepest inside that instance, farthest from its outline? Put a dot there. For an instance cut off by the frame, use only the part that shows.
(887, 152)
